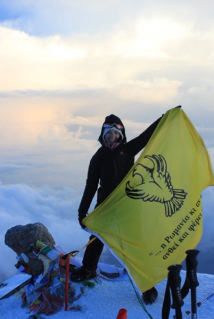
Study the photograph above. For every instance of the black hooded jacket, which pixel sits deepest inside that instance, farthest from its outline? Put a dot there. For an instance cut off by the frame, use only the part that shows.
(108, 167)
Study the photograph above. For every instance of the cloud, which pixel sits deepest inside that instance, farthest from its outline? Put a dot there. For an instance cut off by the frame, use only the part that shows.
(50, 140)
(157, 90)
(57, 210)
(147, 50)
(74, 17)
(146, 61)
(37, 147)
(53, 17)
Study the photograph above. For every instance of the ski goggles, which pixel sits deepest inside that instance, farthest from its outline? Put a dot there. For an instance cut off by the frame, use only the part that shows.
(110, 125)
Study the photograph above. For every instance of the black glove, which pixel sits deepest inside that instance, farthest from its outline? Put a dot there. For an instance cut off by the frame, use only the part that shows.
(80, 218)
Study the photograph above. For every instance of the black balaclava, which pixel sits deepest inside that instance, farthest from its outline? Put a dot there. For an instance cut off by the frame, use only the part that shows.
(111, 119)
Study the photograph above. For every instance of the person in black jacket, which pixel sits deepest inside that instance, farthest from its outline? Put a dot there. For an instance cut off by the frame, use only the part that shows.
(107, 168)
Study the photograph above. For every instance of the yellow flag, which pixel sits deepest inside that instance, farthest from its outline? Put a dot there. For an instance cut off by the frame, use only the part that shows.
(155, 214)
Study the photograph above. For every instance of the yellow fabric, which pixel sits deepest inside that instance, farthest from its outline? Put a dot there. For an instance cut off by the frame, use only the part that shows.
(155, 215)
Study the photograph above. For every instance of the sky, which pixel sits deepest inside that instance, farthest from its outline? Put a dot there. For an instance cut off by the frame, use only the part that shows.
(67, 64)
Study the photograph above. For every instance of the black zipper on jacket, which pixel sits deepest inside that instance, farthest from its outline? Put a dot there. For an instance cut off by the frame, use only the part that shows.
(115, 169)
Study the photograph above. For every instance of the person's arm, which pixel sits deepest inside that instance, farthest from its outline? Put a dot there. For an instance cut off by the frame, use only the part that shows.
(90, 190)
(139, 142)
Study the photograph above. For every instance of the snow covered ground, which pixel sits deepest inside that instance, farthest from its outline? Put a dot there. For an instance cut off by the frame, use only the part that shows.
(107, 297)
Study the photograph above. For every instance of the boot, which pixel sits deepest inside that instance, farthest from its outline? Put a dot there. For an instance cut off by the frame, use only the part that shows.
(81, 274)
(150, 296)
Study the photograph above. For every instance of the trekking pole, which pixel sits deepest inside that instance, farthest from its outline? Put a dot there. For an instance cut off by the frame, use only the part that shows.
(173, 284)
(201, 302)
(205, 299)
(191, 264)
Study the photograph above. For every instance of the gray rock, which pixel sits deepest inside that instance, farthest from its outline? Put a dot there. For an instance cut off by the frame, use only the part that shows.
(19, 238)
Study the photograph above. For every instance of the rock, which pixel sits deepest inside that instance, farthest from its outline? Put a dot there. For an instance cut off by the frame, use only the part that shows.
(19, 238)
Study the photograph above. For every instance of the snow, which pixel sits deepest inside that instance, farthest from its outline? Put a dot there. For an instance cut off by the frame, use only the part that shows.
(108, 296)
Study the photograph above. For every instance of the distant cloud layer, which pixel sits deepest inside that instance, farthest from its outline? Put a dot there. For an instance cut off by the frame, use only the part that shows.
(57, 210)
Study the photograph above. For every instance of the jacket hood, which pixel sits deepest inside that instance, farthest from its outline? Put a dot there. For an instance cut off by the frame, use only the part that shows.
(112, 119)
